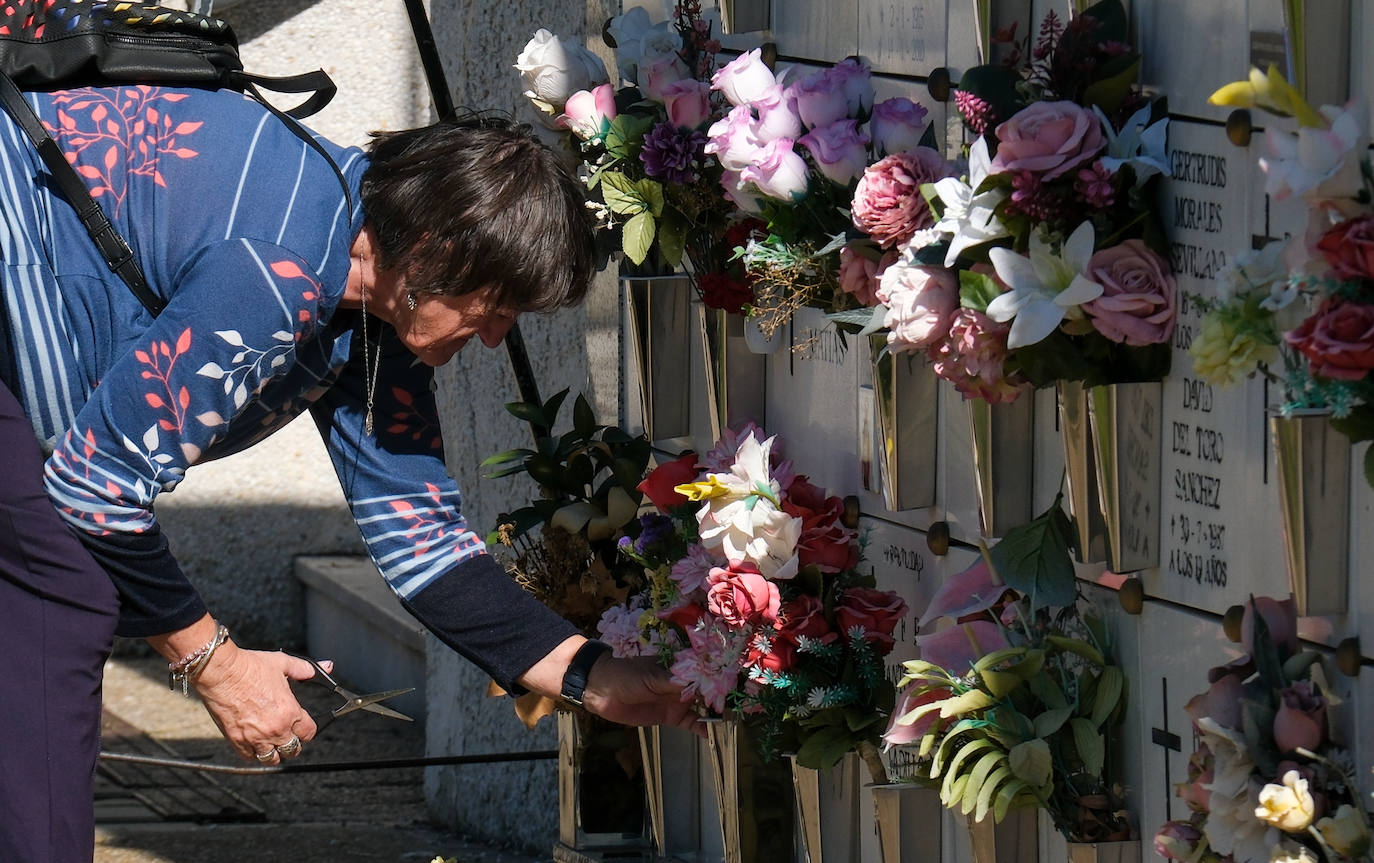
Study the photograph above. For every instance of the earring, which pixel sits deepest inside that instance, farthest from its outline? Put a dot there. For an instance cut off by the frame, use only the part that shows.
(410, 300)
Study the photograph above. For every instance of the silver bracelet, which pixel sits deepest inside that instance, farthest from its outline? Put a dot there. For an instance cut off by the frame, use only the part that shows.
(181, 673)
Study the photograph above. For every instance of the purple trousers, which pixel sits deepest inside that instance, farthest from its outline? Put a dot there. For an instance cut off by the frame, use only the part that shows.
(58, 611)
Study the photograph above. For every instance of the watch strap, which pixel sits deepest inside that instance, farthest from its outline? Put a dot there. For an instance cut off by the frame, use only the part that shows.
(575, 678)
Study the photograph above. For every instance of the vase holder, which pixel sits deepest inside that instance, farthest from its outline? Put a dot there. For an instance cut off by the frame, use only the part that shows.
(660, 332)
(735, 374)
(827, 811)
(1112, 439)
(672, 798)
(753, 799)
(906, 396)
(1014, 840)
(908, 818)
(1002, 463)
(575, 798)
(1313, 466)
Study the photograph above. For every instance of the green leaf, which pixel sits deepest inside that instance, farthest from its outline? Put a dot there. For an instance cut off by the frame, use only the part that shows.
(1031, 762)
(1113, 23)
(1049, 722)
(985, 794)
(1091, 746)
(1077, 646)
(1266, 654)
(584, 419)
(622, 195)
(1047, 690)
(976, 290)
(554, 405)
(672, 235)
(651, 193)
(509, 470)
(1110, 685)
(955, 792)
(507, 456)
(986, 765)
(1000, 683)
(530, 413)
(638, 236)
(1110, 92)
(968, 702)
(947, 744)
(1033, 558)
(825, 747)
(928, 138)
(966, 753)
(1006, 797)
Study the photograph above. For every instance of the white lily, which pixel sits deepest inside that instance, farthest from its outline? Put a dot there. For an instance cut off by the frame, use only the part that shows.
(1139, 144)
(968, 215)
(1318, 163)
(1044, 287)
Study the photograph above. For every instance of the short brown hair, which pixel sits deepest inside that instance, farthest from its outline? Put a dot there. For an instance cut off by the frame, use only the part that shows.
(462, 205)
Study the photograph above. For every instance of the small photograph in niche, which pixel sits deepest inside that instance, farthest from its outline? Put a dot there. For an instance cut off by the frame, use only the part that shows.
(867, 440)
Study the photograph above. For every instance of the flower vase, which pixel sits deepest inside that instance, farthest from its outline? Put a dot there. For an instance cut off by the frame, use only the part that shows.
(1014, 840)
(735, 373)
(1112, 440)
(827, 811)
(1055, 847)
(600, 805)
(908, 820)
(1002, 464)
(906, 394)
(672, 801)
(1313, 466)
(753, 798)
(660, 317)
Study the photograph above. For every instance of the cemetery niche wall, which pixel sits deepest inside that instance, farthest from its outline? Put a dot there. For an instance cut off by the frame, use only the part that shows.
(1209, 502)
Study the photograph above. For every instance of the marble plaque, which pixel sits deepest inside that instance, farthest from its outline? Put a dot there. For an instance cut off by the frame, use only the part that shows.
(903, 36)
(823, 30)
(812, 395)
(1219, 502)
(1188, 50)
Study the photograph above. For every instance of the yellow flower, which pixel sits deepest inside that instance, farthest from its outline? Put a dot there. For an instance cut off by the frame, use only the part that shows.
(706, 489)
(1289, 806)
(1289, 852)
(1346, 831)
(1224, 351)
(1270, 92)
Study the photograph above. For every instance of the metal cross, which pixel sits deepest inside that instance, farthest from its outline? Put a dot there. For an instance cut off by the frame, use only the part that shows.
(1170, 741)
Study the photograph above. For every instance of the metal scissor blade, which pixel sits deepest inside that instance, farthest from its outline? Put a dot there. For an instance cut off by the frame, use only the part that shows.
(370, 704)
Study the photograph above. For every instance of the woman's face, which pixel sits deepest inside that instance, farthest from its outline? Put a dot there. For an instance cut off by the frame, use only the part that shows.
(439, 326)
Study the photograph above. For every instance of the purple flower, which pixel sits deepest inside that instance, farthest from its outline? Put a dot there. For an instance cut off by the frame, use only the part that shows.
(653, 529)
(839, 149)
(897, 125)
(672, 154)
(977, 113)
(1094, 186)
(820, 98)
(1031, 197)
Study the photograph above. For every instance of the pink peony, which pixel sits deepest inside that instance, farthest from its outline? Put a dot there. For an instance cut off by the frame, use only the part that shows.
(778, 172)
(888, 205)
(820, 98)
(688, 102)
(840, 150)
(1349, 247)
(588, 113)
(709, 667)
(973, 357)
(743, 79)
(740, 596)
(1301, 718)
(858, 275)
(1338, 340)
(921, 302)
(1138, 304)
(897, 125)
(777, 115)
(1048, 138)
(619, 627)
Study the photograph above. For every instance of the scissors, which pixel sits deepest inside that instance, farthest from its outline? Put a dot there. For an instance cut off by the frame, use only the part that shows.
(352, 700)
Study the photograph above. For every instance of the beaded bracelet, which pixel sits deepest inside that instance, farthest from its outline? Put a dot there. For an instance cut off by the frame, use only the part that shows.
(181, 673)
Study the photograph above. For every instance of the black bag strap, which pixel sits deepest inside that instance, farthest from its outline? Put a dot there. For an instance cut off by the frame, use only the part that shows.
(113, 248)
(318, 83)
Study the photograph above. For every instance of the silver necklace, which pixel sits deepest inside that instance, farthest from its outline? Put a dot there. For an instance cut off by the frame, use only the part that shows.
(369, 371)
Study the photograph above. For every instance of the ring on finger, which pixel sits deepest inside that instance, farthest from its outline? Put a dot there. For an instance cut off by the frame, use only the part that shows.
(266, 757)
(290, 748)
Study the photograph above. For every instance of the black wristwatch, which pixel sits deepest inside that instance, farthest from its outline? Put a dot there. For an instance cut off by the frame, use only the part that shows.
(575, 678)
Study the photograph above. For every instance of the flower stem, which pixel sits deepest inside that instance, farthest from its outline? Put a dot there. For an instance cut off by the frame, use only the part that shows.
(869, 753)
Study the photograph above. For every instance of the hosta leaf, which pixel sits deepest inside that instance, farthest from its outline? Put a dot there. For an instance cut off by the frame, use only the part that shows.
(1078, 646)
(1031, 761)
(947, 744)
(1050, 721)
(956, 791)
(1091, 746)
(966, 752)
(985, 766)
(985, 794)
(1006, 797)
(1000, 683)
(997, 657)
(1109, 689)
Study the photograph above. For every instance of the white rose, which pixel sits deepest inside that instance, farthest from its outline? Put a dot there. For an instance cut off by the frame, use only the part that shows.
(744, 78)
(626, 31)
(552, 69)
(1289, 806)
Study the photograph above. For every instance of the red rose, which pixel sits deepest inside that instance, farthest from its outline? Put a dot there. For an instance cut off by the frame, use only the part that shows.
(659, 484)
(719, 291)
(1338, 340)
(780, 656)
(877, 611)
(824, 541)
(804, 616)
(741, 596)
(1349, 246)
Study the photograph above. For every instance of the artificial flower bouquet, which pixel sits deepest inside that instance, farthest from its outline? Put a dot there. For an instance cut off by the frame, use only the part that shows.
(756, 605)
(796, 150)
(1266, 782)
(1301, 311)
(1016, 700)
(641, 145)
(1043, 262)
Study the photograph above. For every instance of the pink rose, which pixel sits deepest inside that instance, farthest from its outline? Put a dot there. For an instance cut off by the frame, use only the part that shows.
(778, 172)
(655, 75)
(734, 139)
(820, 98)
(1177, 840)
(973, 357)
(688, 102)
(1349, 247)
(589, 113)
(839, 150)
(741, 596)
(859, 275)
(777, 112)
(888, 205)
(900, 735)
(1137, 305)
(1338, 340)
(920, 304)
(897, 125)
(1301, 718)
(1221, 703)
(1280, 618)
(856, 78)
(1047, 139)
(743, 79)
(877, 611)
